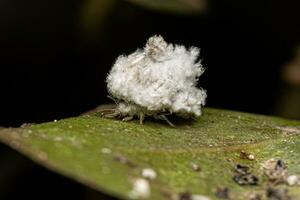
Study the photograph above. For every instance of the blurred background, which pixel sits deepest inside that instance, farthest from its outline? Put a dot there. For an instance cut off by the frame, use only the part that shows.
(55, 55)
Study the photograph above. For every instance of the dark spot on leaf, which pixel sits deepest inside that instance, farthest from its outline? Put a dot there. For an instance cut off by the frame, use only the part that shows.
(243, 176)
(280, 165)
(122, 159)
(277, 194)
(185, 196)
(241, 169)
(248, 179)
(275, 170)
(222, 193)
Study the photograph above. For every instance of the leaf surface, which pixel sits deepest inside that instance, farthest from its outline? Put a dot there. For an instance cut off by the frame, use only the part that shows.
(109, 155)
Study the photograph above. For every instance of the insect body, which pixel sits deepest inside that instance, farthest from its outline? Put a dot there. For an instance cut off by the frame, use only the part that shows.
(157, 81)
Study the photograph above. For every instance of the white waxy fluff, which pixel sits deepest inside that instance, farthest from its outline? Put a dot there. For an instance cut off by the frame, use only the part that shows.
(149, 173)
(159, 79)
(141, 189)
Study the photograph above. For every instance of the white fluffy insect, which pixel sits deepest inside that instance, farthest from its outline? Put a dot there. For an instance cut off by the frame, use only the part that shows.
(158, 80)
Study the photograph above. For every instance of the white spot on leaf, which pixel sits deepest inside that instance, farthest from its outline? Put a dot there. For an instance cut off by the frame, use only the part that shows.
(140, 190)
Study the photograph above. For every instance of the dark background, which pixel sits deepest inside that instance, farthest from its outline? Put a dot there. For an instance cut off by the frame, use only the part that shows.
(55, 55)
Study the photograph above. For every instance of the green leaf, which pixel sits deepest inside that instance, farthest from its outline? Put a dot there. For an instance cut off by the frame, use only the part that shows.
(109, 155)
(174, 6)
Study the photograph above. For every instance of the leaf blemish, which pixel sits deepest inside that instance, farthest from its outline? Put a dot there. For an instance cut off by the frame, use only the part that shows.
(122, 159)
(289, 130)
(243, 176)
